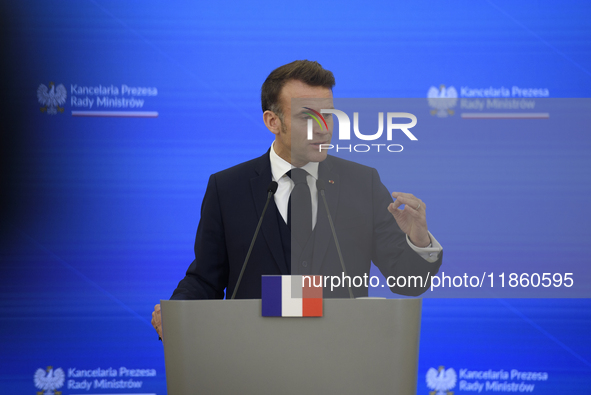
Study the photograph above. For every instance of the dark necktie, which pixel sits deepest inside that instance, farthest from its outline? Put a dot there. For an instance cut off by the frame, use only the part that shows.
(300, 207)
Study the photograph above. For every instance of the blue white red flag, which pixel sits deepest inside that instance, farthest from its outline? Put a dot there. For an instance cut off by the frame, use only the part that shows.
(292, 296)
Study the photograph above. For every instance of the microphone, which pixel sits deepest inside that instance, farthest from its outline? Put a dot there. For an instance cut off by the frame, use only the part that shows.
(271, 189)
(320, 188)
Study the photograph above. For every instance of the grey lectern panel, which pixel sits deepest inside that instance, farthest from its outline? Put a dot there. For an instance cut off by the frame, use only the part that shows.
(366, 346)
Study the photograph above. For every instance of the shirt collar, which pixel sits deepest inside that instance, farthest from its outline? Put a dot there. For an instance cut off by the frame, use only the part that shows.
(280, 166)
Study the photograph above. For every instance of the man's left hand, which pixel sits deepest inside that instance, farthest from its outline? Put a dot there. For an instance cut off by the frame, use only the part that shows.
(412, 219)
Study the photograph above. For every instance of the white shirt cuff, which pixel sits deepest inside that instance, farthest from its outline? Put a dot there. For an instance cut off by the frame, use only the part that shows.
(430, 253)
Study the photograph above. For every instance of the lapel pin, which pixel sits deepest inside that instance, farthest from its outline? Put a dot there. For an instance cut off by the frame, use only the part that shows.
(330, 181)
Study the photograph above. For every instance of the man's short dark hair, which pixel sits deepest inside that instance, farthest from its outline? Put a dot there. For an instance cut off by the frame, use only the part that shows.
(308, 72)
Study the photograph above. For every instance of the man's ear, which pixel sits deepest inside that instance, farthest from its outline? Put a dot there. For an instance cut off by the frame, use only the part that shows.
(272, 122)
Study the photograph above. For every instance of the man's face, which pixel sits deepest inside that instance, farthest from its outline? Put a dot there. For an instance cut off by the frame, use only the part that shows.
(292, 143)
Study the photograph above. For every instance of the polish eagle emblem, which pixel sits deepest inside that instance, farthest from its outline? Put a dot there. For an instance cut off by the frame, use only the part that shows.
(442, 100)
(51, 98)
(48, 380)
(441, 380)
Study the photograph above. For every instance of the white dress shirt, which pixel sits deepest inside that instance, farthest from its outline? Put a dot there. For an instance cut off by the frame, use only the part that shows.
(279, 169)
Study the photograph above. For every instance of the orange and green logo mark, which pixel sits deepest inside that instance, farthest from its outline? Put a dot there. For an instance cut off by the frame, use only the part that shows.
(317, 117)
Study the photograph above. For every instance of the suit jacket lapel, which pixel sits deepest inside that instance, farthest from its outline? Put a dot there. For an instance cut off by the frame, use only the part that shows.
(323, 234)
(270, 226)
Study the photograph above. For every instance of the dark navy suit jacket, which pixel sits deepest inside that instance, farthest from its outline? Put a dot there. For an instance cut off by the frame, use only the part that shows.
(358, 202)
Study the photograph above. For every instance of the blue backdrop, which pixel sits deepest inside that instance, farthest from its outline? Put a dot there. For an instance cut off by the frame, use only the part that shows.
(99, 212)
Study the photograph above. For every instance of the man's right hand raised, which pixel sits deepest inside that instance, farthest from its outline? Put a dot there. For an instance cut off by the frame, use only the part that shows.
(157, 321)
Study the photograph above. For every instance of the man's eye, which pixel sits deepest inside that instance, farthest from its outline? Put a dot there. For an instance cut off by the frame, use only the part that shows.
(326, 116)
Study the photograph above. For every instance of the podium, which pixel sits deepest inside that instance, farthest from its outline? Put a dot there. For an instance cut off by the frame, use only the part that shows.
(359, 346)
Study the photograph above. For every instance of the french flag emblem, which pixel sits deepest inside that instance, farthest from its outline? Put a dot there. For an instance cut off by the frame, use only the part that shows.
(292, 296)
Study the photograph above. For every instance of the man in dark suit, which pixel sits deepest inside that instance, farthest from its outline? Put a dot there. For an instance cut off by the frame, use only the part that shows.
(369, 225)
